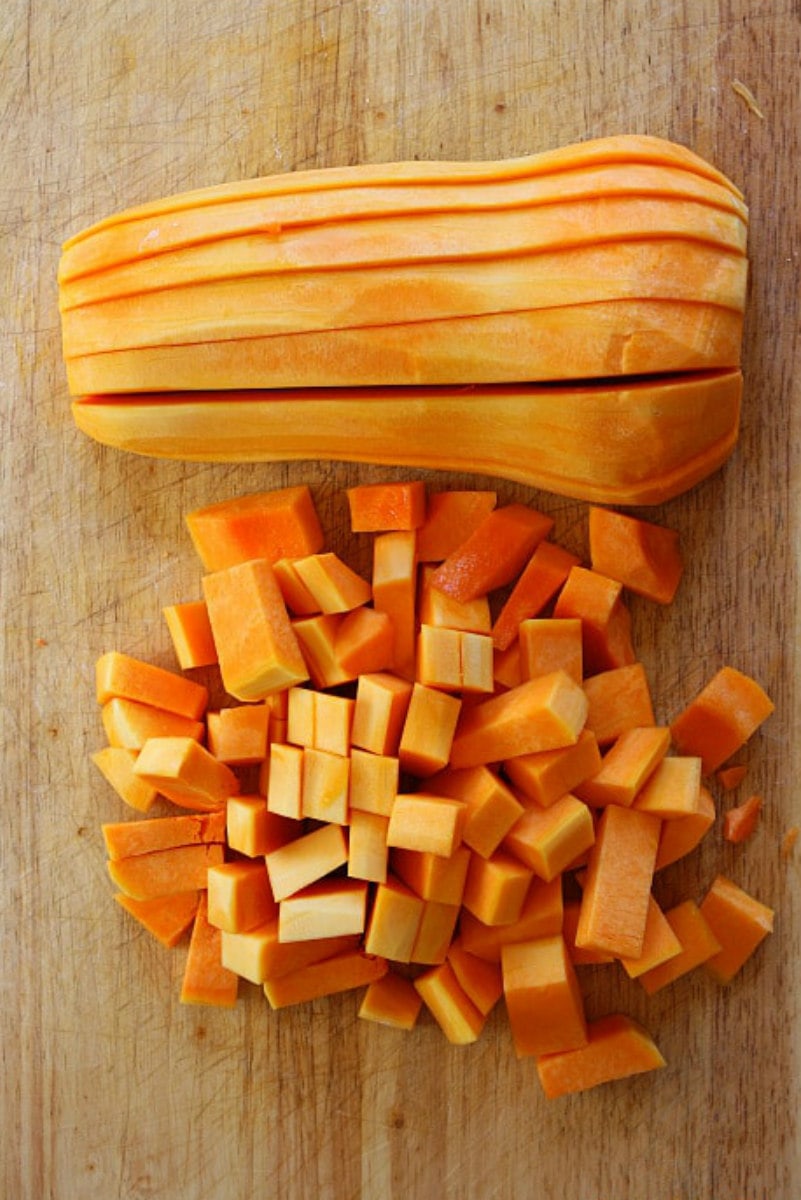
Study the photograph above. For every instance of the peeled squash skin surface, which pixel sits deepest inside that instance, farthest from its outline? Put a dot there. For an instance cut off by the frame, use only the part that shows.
(138, 239)
(622, 337)
(254, 306)
(441, 237)
(622, 148)
(637, 443)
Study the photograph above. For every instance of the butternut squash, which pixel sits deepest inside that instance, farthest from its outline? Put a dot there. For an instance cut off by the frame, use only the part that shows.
(659, 437)
(595, 264)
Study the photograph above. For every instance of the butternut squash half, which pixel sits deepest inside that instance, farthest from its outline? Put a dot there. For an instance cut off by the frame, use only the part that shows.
(571, 320)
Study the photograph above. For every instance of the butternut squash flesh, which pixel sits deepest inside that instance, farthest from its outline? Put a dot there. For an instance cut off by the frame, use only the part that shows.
(637, 444)
(341, 313)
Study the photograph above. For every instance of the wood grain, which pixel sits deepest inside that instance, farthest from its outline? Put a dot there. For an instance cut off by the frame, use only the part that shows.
(110, 1087)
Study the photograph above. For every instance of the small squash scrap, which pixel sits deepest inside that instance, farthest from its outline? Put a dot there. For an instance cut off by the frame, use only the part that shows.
(427, 314)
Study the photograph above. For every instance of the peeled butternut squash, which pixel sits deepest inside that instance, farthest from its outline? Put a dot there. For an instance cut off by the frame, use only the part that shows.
(635, 443)
(339, 313)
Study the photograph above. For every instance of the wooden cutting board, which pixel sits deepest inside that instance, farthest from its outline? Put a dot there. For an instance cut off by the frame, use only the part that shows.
(111, 1087)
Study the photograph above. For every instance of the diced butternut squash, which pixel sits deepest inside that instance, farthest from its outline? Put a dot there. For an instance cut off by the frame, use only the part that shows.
(328, 908)
(427, 823)
(540, 714)
(546, 775)
(340, 973)
(285, 780)
(659, 943)
(239, 896)
(682, 835)
(451, 517)
(239, 735)
(738, 922)
(167, 918)
(740, 822)
(450, 1006)
(721, 718)
(335, 586)
(317, 640)
(543, 998)
(614, 903)
(731, 777)
(256, 645)
(306, 859)
(258, 955)
(253, 830)
(480, 980)
(185, 772)
(541, 915)
(434, 933)
(382, 700)
(617, 1047)
(432, 876)
(206, 980)
(116, 765)
(392, 1000)
(278, 524)
(549, 839)
(165, 872)
(644, 557)
(672, 789)
(189, 628)
(394, 584)
(496, 888)
(128, 724)
(494, 553)
(598, 603)
(123, 839)
(394, 921)
(437, 608)
(580, 956)
(551, 644)
(626, 766)
(386, 507)
(373, 782)
(325, 786)
(120, 675)
(618, 699)
(698, 945)
(454, 660)
(297, 597)
(368, 853)
(364, 642)
(491, 807)
(540, 580)
(429, 727)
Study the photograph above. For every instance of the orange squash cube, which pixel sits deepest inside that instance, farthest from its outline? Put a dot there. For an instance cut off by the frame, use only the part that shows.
(491, 807)
(239, 896)
(496, 888)
(335, 586)
(549, 839)
(380, 710)
(306, 859)
(428, 731)
(328, 908)
(392, 1000)
(393, 922)
(428, 823)
(543, 998)
(257, 649)
(450, 1006)
(190, 630)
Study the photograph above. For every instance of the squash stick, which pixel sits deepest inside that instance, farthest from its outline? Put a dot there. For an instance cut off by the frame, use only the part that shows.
(627, 150)
(660, 436)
